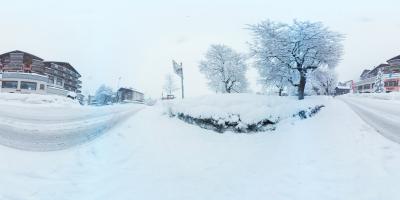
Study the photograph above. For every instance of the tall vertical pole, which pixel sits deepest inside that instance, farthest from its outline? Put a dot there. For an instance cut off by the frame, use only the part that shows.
(183, 91)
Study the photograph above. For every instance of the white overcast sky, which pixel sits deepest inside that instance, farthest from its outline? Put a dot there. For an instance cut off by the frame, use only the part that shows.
(137, 40)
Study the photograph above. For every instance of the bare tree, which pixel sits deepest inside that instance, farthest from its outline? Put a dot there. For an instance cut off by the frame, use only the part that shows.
(324, 80)
(225, 69)
(170, 85)
(300, 47)
(276, 76)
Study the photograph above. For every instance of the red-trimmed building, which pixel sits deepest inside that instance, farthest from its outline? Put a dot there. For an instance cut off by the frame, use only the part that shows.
(391, 77)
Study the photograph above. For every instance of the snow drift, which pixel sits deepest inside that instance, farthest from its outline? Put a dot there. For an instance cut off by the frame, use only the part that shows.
(241, 112)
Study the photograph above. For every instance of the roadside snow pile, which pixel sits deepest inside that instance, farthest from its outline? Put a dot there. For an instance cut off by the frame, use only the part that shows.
(241, 113)
(28, 99)
(381, 96)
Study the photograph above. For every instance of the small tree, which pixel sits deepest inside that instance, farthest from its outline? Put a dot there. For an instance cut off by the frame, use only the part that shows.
(170, 85)
(379, 83)
(225, 69)
(300, 47)
(104, 95)
(323, 81)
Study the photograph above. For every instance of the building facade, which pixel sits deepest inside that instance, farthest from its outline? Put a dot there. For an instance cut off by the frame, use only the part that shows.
(390, 76)
(62, 75)
(129, 95)
(19, 68)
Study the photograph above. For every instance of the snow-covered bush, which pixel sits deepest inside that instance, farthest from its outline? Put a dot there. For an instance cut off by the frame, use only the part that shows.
(242, 113)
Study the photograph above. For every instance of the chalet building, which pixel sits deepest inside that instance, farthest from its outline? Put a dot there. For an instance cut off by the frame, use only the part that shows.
(129, 95)
(63, 75)
(344, 88)
(26, 73)
(391, 77)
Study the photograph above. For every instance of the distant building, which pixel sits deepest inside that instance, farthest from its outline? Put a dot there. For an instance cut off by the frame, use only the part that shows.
(125, 95)
(391, 77)
(344, 88)
(22, 72)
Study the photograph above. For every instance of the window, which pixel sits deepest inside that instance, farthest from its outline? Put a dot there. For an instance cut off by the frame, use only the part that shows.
(51, 79)
(10, 84)
(360, 87)
(59, 81)
(391, 83)
(41, 86)
(28, 85)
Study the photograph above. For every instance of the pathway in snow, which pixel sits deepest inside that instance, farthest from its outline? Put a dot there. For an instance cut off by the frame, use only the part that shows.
(40, 128)
(383, 115)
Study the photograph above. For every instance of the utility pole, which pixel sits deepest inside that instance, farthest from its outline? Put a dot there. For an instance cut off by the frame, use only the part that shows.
(179, 71)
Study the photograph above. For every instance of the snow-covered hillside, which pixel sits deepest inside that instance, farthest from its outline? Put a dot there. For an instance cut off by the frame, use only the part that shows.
(241, 112)
(334, 155)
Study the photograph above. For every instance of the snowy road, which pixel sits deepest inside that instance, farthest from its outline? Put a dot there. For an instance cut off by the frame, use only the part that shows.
(383, 115)
(151, 156)
(39, 128)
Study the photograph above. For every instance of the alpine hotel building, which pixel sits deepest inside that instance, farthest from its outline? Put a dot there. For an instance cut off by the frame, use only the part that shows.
(22, 72)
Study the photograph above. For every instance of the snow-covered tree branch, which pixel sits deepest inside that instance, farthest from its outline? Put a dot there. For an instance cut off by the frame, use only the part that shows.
(104, 95)
(323, 81)
(291, 51)
(225, 69)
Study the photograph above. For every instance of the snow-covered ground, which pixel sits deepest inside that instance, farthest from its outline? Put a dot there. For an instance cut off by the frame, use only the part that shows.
(382, 96)
(49, 122)
(380, 110)
(334, 155)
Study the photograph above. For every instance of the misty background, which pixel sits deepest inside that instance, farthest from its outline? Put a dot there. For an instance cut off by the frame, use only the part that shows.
(136, 40)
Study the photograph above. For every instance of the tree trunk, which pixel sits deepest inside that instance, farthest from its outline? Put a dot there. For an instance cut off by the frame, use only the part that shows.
(280, 91)
(302, 85)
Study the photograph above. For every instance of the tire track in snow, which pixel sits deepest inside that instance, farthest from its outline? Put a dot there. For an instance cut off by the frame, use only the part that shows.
(383, 115)
(60, 130)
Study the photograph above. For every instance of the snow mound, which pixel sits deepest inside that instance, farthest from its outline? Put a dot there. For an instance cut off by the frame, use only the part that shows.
(241, 112)
(36, 99)
(381, 96)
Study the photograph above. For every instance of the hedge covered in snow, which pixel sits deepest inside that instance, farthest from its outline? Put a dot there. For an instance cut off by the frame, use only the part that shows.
(241, 113)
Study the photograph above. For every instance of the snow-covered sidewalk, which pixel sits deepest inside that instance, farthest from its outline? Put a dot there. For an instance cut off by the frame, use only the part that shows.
(151, 156)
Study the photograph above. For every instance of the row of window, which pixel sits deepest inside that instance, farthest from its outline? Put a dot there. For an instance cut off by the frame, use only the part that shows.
(62, 68)
(25, 85)
(391, 83)
(365, 87)
(387, 84)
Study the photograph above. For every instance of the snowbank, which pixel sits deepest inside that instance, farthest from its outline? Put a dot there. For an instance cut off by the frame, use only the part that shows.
(241, 112)
(37, 99)
(382, 96)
